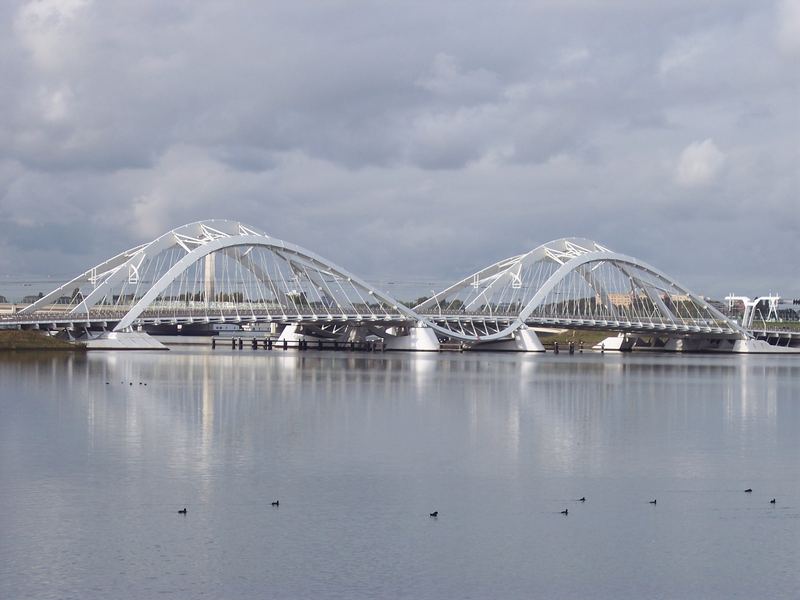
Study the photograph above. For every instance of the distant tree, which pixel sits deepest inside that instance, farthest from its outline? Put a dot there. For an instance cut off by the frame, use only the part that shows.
(413, 303)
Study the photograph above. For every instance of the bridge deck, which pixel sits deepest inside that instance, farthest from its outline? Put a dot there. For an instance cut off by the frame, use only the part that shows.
(455, 321)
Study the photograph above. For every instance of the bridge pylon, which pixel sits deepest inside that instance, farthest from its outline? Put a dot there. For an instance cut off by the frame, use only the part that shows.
(224, 274)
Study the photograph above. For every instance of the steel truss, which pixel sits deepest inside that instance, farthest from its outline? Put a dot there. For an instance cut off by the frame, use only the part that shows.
(224, 271)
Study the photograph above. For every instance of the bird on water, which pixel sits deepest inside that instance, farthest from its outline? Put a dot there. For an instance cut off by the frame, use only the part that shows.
(582, 499)
(183, 511)
(748, 490)
(654, 501)
(565, 511)
(772, 501)
(434, 514)
(276, 503)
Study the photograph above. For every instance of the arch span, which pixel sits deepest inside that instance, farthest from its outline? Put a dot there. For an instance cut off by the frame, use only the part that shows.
(226, 271)
(573, 281)
(220, 266)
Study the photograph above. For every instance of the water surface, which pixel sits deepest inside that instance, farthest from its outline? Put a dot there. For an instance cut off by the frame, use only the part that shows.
(359, 448)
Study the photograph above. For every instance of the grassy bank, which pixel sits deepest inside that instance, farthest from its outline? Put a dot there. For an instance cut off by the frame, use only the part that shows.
(589, 338)
(780, 326)
(34, 340)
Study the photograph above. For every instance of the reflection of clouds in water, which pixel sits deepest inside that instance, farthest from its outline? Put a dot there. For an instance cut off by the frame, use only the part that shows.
(584, 415)
(207, 410)
(752, 395)
(594, 415)
(424, 365)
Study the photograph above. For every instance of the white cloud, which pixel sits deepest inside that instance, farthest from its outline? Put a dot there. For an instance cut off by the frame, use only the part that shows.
(55, 103)
(683, 54)
(789, 26)
(573, 56)
(447, 78)
(307, 118)
(699, 164)
(43, 27)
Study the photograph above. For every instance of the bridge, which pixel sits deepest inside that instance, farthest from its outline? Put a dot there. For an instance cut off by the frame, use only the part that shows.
(205, 274)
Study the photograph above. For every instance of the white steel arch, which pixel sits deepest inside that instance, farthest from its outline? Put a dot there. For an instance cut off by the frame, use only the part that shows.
(250, 241)
(106, 284)
(235, 271)
(541, 271)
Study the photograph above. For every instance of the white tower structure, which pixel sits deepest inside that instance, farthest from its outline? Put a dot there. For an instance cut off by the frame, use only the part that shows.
(209, 277)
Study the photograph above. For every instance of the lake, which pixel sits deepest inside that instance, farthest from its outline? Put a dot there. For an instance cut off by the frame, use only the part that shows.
(359, 449)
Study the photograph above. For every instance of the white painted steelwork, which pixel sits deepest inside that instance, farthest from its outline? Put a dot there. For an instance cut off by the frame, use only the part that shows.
(221, 271)
(574, 282)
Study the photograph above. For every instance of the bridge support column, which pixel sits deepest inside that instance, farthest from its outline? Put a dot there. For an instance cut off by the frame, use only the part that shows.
(620, 343)
(291, 333)
(123, 340)
(523, 340)
(761, 347)
(354, 333)
(419, 339)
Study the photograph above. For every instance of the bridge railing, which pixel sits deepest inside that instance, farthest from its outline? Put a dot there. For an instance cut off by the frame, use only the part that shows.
(249, 312)
(486, 315)
(201, 314)
(777, 326)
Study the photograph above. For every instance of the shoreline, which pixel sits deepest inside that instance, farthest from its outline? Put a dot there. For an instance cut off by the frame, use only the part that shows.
(19, 340)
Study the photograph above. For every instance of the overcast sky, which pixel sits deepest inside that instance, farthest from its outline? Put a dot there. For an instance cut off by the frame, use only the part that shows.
(407, 141)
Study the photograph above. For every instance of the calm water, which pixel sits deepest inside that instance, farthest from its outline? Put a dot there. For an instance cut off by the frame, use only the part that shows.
(359, 448)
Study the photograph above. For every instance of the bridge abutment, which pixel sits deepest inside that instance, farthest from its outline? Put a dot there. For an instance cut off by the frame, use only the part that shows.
(522, 340)
(618, 343)
(418, 339)
(123, 340)
(291, 333)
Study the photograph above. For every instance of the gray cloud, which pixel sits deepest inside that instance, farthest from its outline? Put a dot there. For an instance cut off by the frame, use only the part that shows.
(442, 136)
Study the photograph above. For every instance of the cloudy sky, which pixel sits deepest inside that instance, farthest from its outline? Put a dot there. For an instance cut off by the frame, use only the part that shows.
(407, 141)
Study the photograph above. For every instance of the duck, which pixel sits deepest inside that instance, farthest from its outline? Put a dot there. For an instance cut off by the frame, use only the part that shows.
(182, 511)
(772, 501)
(276, 503)
(434, 514)
(654, 501)
(565, 511)
(582, 499)
(748, 490)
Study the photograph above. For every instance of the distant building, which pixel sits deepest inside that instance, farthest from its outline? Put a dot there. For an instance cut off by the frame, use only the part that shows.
(624, 300)
(3, 300)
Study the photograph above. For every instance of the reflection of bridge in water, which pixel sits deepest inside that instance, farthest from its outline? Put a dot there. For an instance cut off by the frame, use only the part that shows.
(208, 273)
